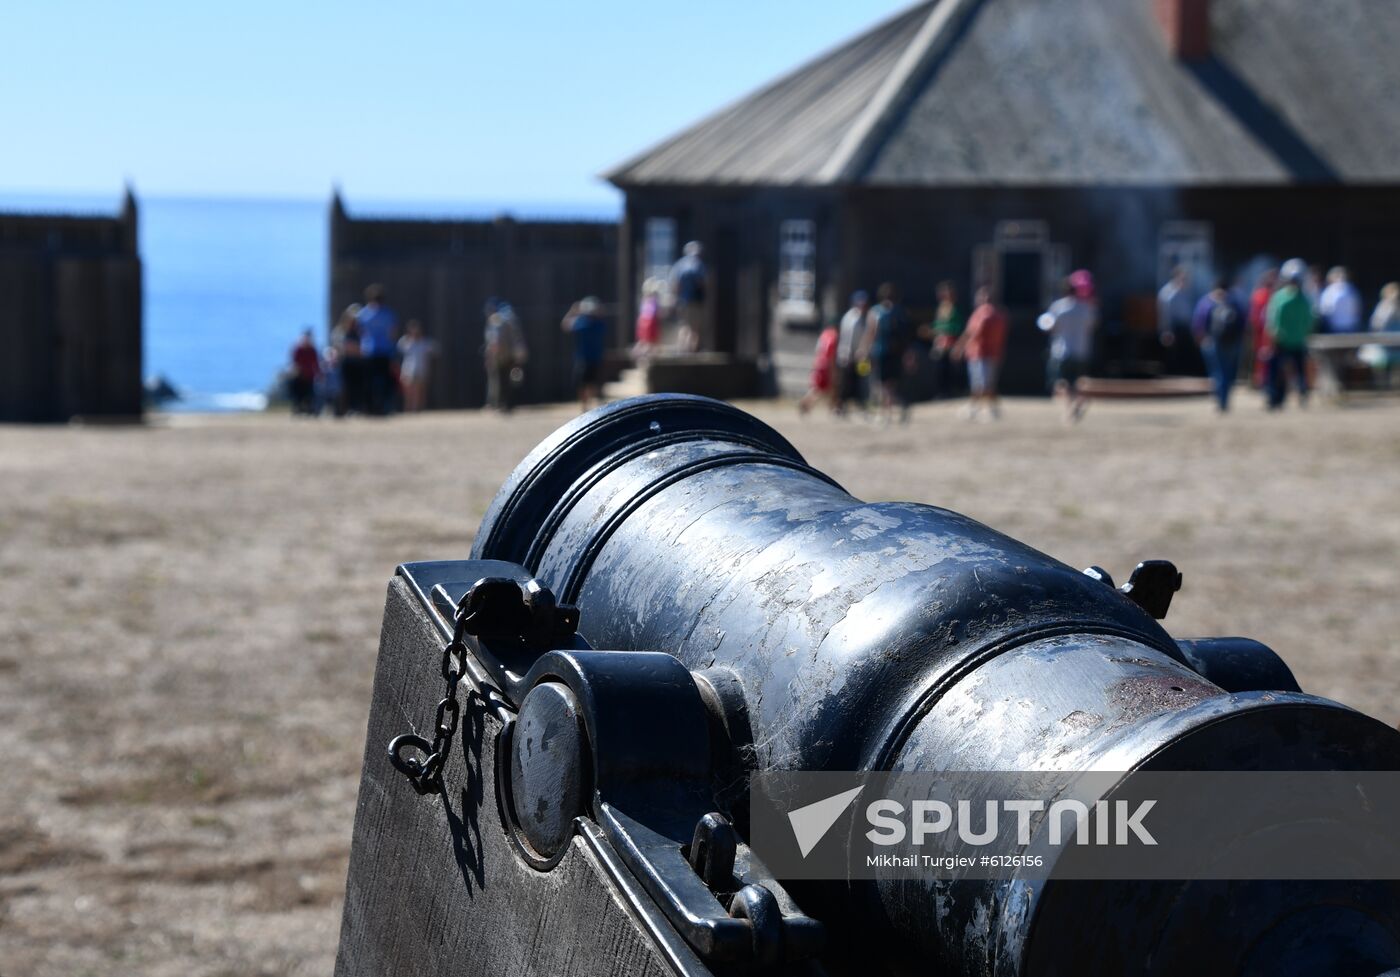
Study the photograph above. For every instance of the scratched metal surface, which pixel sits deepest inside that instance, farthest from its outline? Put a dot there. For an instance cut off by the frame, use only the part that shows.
(892, 635)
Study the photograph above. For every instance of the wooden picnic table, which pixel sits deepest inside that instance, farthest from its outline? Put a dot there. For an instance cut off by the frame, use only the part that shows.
(1333, 351)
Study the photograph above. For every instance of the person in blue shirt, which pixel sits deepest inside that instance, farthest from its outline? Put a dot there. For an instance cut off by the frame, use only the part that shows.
(1219, 327)
(585, 324)
(379, 337)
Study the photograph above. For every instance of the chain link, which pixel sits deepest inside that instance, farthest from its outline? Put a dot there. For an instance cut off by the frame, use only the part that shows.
(425, 773)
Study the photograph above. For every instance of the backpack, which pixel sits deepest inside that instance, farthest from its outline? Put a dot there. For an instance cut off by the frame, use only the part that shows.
(886, 333)
(1226, 323)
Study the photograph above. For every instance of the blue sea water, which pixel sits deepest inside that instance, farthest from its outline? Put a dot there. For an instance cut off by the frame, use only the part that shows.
(229, 286)
(231, 282)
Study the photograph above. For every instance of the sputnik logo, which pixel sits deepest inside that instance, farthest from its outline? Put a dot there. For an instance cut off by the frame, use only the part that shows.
(811, 823)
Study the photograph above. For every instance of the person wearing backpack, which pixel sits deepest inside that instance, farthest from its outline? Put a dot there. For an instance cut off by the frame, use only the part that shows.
(886, 340)
(1219, 328)
(687, 282)
(1291, 322)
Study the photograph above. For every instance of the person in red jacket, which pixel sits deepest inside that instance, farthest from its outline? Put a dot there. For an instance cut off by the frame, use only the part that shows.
(1259, 326)
(983, 345)
(648, 322)
(306, 367)
(823, 370)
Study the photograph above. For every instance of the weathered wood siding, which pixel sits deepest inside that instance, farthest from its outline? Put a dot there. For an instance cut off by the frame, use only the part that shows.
(739, 229)
(442, 272)
(916, 237)
(70, 316)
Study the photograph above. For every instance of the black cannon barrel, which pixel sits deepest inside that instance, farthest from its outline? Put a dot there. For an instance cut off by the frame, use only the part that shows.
(893, 636)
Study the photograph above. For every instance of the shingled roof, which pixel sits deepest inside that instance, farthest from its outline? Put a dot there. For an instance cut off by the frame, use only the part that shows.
(1061, 92)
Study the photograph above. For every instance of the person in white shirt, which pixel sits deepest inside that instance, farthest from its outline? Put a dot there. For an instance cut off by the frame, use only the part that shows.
(848, 378)
(1340, 304)
(1176, 305)
(415, 355)
(1070, 322)
(1386, 318)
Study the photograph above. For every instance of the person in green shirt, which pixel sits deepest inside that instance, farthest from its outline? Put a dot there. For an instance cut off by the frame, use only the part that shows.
(1290, 322)
(943, 334)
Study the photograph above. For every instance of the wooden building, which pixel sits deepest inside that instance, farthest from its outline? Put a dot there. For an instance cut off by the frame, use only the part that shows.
(1012, 141)
(70, 316)
(441, 272)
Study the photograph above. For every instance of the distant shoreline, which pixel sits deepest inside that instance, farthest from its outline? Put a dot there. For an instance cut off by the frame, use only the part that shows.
(245, 402)
(94, 202)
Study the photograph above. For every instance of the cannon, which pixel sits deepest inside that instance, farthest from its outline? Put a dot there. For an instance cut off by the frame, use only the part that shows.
(665, 601)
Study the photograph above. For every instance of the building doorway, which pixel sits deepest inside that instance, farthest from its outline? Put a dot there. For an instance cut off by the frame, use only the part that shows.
(1025, 271)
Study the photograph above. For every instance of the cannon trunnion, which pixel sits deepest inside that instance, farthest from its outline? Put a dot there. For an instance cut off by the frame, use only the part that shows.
(665, 598)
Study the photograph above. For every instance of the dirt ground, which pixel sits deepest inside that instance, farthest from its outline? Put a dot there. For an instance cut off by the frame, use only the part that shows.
(189, 615)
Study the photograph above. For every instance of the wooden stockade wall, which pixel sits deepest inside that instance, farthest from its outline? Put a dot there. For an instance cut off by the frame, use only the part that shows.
(70, 316)
(442, 272)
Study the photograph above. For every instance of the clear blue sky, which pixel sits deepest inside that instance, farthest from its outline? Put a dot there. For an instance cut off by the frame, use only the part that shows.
(515, 100)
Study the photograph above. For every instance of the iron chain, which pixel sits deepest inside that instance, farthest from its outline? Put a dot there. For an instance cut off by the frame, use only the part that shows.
(425, 772)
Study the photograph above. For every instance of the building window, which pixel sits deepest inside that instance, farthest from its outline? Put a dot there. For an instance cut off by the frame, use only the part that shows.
(660, 246)
(797, 269)
(1189, 245)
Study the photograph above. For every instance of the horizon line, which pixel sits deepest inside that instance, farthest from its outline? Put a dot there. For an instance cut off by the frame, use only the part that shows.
(349, 199)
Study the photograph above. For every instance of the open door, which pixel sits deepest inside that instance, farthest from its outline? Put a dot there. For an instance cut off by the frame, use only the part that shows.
(1024, 269)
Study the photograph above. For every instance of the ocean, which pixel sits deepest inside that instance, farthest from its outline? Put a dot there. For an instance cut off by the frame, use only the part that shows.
(231, 282)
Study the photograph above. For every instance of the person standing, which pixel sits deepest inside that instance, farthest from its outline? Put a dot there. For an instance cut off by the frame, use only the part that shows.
(884, 345)
(823, 383)
(350, 363)
(648, 322)
(947, 328)
(849, 382)
(354, 375)
(983, 345)
(379, 326)
(330, 388)
(1290, 319)
(416, 353)
(503, 354)
(347, 323)
(688, 286)
(1385, 318)
(1339, 305)
(1313, 283)
(590, 336)
(306, 368)
(1259, 327)
(1070, 321)
(1175, 308)
(1219, 325)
